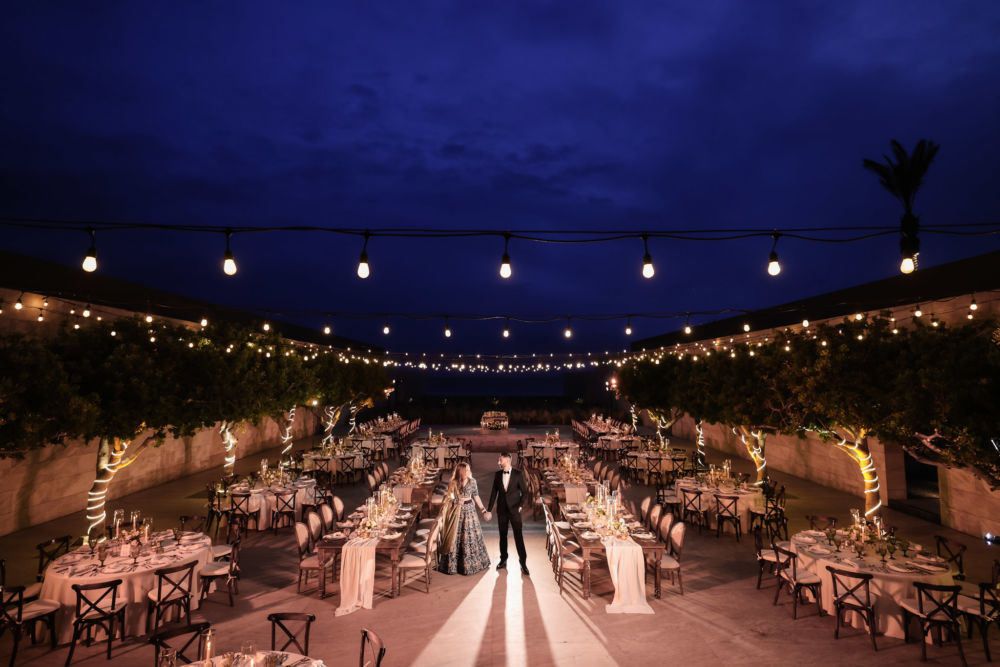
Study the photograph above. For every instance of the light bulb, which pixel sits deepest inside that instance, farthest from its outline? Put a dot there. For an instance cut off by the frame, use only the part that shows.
(647, 267)
(447, 332)
(687, 329)
(505, 271)
(908, 265)
(326, 329)
(805, 323)
(363, 270)
(506, 332)
(114, 333)
(568, 333)
(267, 327)
(90, 261)
(149, 319)
(18, 305)
(973, 305)
(385, 329)
(229, 264)
(204, 322)
(628, 330)
(41, 317)
(859, 317)
(746, 327)
(773, 265)
(45, 301)
(918, 312)
(86, 311)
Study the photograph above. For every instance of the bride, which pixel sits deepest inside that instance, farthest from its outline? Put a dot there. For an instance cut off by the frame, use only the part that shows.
(462, 549)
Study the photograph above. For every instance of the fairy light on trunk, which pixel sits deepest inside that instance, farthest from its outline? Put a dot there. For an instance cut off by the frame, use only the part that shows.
(229, 442)
(700, 442)
(286, 436)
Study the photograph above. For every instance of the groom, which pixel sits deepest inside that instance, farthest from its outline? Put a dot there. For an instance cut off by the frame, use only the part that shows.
(510, 490)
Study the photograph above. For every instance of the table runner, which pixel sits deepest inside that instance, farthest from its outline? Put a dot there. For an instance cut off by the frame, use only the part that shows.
(628, 574)
(357, 575)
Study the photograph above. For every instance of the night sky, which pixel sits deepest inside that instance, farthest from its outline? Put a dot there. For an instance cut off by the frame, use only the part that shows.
(493, 115)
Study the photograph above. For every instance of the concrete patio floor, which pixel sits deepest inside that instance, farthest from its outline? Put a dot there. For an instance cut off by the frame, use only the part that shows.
(506, 619)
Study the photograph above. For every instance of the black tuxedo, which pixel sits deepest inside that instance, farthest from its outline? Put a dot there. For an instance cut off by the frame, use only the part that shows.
(508, 502)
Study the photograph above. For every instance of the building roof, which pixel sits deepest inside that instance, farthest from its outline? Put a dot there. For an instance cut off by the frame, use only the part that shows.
(965, 276)
(29, 274)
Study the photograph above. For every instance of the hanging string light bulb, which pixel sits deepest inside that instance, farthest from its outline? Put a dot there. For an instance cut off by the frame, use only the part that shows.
(687, 325)
(204, 322)
(385, 329)
(505, 270)
(568, 333)
(266, 327)
(773, 265)
(918, 312)
(86, 310)
(972, 304)
(805, 323)
(326, 329)
(506, 328)
(647, 260)
(447, 329)
(628, 327)
(363, 269)
(228, 260)
(18, 305)
(909, 243)
(746, 326)
(90, 260)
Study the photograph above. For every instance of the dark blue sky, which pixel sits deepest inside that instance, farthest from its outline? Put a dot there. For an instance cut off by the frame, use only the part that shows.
(501, 115)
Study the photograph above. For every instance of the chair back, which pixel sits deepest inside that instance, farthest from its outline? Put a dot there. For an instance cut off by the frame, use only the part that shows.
(240, 503)
(321, 464)
(851, 589)
(666, 523)
(785, 560)
(338, 508)
(725, 506)
(644, 507)
(96, 600)
(677, 464)
(654, 516)
(326, 516)
(936, 602)
(691, 499)
(285, 502)
(299, 637)
(11, 605)
(677, 539)
(197, 523)
(952, 551)
(346, 464)
(821, 522)
(315, 525)
(161, 640)
(432, 541)
(302, 538)
(174, 582)
(989, 601)
(372, 649)
(654, 465)
(50, 550)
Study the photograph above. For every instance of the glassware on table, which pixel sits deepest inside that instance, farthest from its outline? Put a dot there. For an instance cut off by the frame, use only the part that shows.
(168, 657)
(249, 649)
(891, 548)
(102, 552)
(206, 645)
(881, 548)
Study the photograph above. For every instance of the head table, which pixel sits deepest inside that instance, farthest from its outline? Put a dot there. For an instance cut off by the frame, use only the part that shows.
(892, 582)
(80, 567)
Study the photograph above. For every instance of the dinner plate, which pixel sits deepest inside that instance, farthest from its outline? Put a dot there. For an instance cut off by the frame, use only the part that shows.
(643, 536)
(339, 535)
(901, 569)
(927, 567)
(397, 524)
(929, 559)
(589, 534)
(115, 568)
(391, 536)
(804, 539)
(821, 551)
(584, 524)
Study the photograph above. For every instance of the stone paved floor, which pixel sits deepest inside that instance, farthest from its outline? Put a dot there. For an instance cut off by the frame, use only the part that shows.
(506, 619)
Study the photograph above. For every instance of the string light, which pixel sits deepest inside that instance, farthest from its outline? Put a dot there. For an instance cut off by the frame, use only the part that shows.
(228, 261)
(86, 310)
(973, 305)
(363, 270)
(628, 327)
(918, 312)
(385, 329)
(267, 326)
(687, 325)
(326, 329)
(773, 265)
(647, 260)
(45, 302)
(746, 326)
(859, 317)
(204, 322)
(18, 305)
(506, 328)
(568, 333)
(447, 329)
(805, 323)
(505, 271)
(41, 317)
(934, 320)
(90, 260)
(909, 244)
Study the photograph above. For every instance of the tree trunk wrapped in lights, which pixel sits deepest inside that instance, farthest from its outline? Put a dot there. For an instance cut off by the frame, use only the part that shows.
(700, 444)
(229, 442)
(754, 442)
(855, 445)
(663, 420)
(286, 432)
(113, 455)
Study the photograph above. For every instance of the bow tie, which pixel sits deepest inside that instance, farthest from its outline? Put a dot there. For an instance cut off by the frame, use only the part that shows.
(506, 472)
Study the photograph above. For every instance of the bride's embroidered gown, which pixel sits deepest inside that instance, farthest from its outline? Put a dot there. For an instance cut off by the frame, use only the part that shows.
(467, 553)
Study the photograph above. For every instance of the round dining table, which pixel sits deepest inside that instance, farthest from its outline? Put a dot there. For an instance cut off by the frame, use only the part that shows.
(264, 500)
(747, 499)
(138, 578)
(891, 582)
(419, 449)
(282, 659)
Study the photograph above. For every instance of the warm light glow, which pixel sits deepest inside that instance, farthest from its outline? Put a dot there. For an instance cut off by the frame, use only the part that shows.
(385, 329)
(805, 323)
(229, 264)
(859, 317)
(647, 266)
(506, 332)
(746, 327)
(687, 329)
(568, 333)
(90, 261)
(326, 329)
(973, 305)
(505, 271)
(149, 319)
(363, 269)
(918, 312)
(41, 318)
(267, 327)
(86, 311)
(447, 332)
(773, 265)
(204, 322)
(628, 330)
(18, 305)
(908, 265)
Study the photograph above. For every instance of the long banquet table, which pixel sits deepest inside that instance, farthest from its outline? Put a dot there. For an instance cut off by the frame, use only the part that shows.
(888, 587)
(80, 567)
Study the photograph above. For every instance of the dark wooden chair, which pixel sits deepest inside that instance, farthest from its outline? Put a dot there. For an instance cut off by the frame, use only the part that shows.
(173, 590)
(299, 638)
(766, 557)
(214, 512)
(789, 576)
(240, 515)
(164, 639)
(692, 508)
(372, 649)
(196, 521)
(727, 511)
(284, 511)
(228, 570)
(97, 606)
(982, 613)
(936, 609)
(18, 616)
(852, 592)
(347, 470)
(49, 551)
(953, 552)
(821, 522)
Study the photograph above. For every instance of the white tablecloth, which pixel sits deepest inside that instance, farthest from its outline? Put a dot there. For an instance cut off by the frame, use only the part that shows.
(264, 501)
(78, 567)
(887, 587)
(628, 574)
(441, 451)
(549, 450)
(357, 575)
(748, 500)
(286, 659)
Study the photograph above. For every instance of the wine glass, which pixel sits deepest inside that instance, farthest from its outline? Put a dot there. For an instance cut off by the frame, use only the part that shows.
(102, 552)
(881, 548)
(168, 657)
(891, 548)
(249, 649)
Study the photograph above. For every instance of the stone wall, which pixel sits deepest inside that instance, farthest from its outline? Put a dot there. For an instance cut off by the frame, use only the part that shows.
(967, 503)
(53, 481)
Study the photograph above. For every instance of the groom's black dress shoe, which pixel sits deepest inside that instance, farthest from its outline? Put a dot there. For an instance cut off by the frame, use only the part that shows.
(502, 565)
(524, 570)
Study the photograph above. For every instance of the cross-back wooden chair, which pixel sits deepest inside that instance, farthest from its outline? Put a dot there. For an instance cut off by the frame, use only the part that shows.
(693, 509)
(173, 590)
(49, 550)
(286, 622)
(935, 609)
(817, 522)
(953, 552)
(852, 592)
(164, 639)
(18, 616)
(97, 606)
(727, 511)
(229, 570)
(372, 649)
(795, 580)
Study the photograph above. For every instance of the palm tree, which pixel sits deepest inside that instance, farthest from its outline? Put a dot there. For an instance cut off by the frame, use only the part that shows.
(902, 179)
